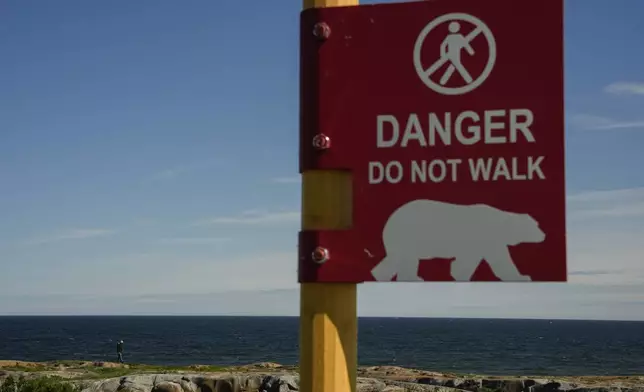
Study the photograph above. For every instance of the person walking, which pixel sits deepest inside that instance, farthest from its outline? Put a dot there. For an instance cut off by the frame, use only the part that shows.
(119, 351)
(451, 49)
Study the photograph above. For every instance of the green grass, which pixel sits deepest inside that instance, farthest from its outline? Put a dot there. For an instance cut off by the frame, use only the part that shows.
(40, 384)
(158, 368)
(22, 369)
(101, 372)
(98, 372)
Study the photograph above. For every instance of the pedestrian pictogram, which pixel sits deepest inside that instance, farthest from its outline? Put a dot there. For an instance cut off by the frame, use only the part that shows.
(451, 51)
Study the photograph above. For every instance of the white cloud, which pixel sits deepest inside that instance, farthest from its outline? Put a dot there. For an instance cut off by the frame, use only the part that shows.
(608, 195)
(72, 234)
(606, 251)
(599, 123)
(606, 279)
(627, 202)
(156, 273)
(153, 300)
(622, 88)
(287, 180)
(514, 300)
(254, 217)
(612, 263)
(630, 210)
(605, 263)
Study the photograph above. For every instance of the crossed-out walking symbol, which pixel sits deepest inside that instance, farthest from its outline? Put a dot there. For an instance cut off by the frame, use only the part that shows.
(450, 51)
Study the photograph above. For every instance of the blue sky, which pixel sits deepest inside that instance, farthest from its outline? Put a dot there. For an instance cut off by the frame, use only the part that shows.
(148, 164)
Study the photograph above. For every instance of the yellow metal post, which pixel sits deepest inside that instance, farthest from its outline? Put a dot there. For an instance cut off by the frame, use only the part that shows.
(328, 311)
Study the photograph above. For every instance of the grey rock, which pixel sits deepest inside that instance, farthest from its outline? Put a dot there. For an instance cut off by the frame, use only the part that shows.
(565, 386)
(457, 383)
(431, 381)
(253, 383)
(138, 383)
(468, 384)
(111, 384)
(528, 383)
(393, 388)
(167, 386)
(204, 384)
(605, 389)
(269, 381)
(291, 381)
(415, 387)
(504, 385)
(279, 383)
(129, 387)
(270, 384)
(549, 386)
(225, 385)
(188, 385)
(369, 385)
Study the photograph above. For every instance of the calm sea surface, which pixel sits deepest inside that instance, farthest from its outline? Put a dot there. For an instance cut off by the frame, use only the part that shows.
(459, 345)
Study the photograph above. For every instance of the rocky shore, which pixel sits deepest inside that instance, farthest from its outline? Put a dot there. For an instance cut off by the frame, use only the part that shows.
(272, 377)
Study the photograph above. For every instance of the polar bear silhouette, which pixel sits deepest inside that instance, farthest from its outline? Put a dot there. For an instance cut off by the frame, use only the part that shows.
(426, 229)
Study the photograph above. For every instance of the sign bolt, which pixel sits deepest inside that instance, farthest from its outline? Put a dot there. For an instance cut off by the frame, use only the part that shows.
(320, 255)
(321, 141)
(321, 30)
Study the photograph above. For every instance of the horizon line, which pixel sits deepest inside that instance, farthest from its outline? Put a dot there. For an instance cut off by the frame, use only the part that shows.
(359, 317)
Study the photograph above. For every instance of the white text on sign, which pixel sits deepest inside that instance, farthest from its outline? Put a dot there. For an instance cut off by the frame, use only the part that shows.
(466, 128)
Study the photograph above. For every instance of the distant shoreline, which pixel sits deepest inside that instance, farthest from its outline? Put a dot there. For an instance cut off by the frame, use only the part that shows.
(295, 317)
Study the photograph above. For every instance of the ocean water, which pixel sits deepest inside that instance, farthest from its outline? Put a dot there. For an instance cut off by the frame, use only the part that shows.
(533, 347)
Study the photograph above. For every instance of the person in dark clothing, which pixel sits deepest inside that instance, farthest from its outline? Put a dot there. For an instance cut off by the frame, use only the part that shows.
(119, 351)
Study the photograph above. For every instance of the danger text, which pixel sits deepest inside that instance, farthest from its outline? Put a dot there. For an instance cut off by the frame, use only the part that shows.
(465, 128)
